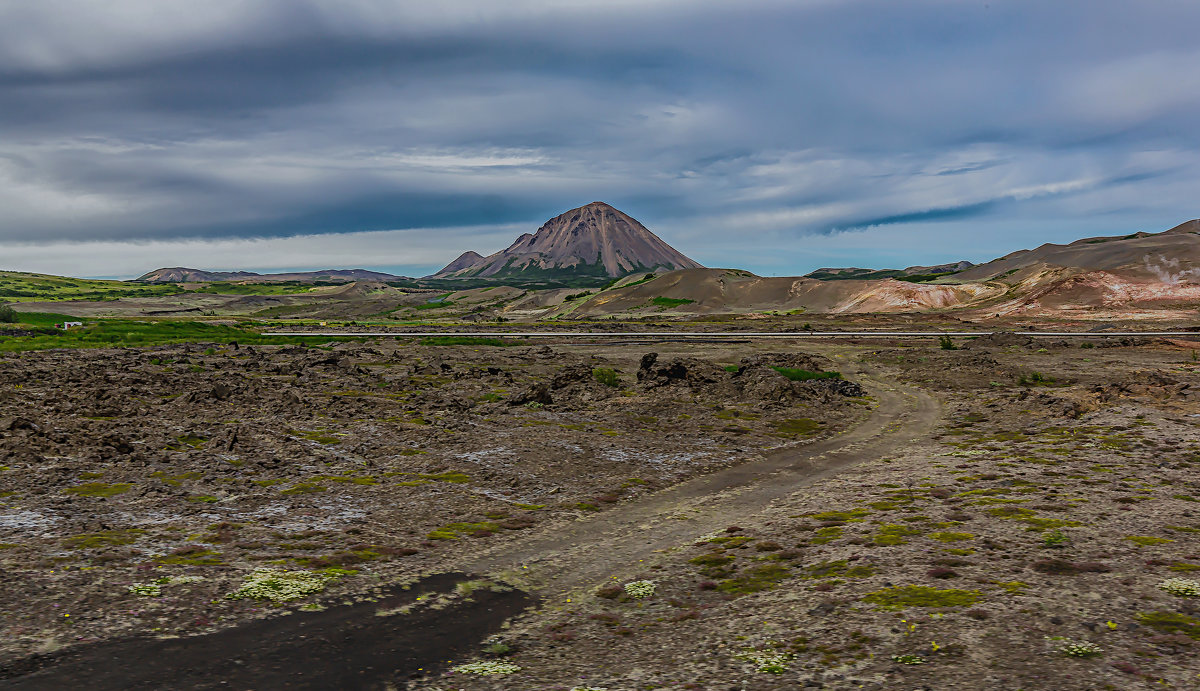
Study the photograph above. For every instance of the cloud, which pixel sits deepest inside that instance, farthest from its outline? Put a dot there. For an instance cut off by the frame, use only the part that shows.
(169, 124)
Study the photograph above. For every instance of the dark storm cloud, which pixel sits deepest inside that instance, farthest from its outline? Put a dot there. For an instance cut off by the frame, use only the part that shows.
(137, 121)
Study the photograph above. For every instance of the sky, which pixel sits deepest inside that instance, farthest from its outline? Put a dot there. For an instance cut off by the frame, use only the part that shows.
(777, 137)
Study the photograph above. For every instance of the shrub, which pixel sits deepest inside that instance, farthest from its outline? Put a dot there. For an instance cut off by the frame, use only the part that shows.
(768, 661)
(945, 343)
(280, 586)
(606, 376)
(1055, 538)
(1183, 587)
(1081, 649)
(7, 315)
(640, 589)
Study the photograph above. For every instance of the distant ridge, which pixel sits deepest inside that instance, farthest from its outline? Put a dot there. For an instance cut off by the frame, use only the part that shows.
(593, 240)
(845, 273)
(179, 274)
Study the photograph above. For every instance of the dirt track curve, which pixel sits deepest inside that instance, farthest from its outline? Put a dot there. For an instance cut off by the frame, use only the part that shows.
(590, 550)
(350, 647)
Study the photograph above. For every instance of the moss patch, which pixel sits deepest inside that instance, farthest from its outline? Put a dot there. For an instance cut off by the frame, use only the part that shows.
(903, 596)
(99, 489)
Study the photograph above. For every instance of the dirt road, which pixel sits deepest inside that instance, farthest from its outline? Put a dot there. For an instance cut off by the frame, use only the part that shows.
(585, 553)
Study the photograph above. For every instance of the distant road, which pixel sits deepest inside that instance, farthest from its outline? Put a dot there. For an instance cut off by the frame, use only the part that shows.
(729, 334)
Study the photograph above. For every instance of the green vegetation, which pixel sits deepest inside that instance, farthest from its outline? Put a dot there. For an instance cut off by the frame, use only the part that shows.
(107, 538)
(945, 343)
(1035, 379)
(20, 287)
(805, 375)
(128, 333)
(7, 315)
(795, 428)
(670, 302)
(1171, 623)
(890, 535)
(273, 288)
(1147, 541)
(304, 488)
(903, 596)
(454, 531)
(99, 489)
(755, 579)
(606, 376)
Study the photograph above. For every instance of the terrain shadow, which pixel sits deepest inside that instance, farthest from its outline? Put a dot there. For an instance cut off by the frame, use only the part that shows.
(343, 647)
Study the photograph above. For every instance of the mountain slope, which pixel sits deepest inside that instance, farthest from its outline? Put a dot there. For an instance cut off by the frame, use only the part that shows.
(180, 274)
(1171, 256)
(593, 240)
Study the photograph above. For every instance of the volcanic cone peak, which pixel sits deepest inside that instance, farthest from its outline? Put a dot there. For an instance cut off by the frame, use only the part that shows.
(593, 240)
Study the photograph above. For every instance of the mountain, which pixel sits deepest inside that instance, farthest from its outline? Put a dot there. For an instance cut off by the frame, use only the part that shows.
(465, 261)
(847, 273)
(180, 274)
(1172, 256)
(592, 241)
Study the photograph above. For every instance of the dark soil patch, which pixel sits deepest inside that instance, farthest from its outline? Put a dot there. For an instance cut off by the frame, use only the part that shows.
(347, 647)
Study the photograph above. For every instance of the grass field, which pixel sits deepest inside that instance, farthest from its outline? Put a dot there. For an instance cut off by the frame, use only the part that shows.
(16, 286)
(35, 331)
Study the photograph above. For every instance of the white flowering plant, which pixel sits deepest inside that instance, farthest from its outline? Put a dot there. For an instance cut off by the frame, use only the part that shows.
(1081, 649)
(1183, 587)
(146, 589)
(640, 589)
(908, 659)
(280, 586)
(768, 661)
(487, 668)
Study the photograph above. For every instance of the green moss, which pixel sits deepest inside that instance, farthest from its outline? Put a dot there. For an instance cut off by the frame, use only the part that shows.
(530, 507)
(838, 569)
(320, 436)
(1171, 623)
(1184, 566)
(805, 375)
(795, 427)
(901, 597)
(187, 441)
(99, 489)
(951, 537)
(586, 506)
(712, 559)
(824, 536)
(1146, 540)
(107, 538)
(453, 531)
(755, 579)
(1013, 587)
(175, 480)
(203, 499)
(891, 534)
(304, 488)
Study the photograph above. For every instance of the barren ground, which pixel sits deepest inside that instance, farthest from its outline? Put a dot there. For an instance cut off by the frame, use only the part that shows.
(780, 517)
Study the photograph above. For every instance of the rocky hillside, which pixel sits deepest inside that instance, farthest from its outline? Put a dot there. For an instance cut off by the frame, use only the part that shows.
(593, 240)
